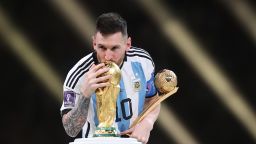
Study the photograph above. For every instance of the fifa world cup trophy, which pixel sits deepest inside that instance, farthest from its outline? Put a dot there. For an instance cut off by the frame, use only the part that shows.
(106, 102)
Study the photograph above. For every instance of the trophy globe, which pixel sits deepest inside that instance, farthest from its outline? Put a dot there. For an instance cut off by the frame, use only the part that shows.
(165, 81)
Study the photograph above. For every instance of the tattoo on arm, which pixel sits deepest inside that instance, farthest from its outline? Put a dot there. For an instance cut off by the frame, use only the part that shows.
(75, 119)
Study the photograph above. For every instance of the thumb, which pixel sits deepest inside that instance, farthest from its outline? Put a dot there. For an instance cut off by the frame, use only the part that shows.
(127, 131)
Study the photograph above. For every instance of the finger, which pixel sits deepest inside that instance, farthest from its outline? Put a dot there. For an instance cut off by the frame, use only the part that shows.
(91, 75)
(100, 85)
(125, 136)
(129, 131)
(102, 79)
(97, 67)
(101, 71)
(139, 138)
(94, 67)
(143, 140)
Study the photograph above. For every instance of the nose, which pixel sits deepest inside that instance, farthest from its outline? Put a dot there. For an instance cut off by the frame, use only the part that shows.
(108, 55)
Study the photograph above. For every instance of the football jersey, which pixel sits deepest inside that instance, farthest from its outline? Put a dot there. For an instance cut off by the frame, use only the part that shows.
(136, 84)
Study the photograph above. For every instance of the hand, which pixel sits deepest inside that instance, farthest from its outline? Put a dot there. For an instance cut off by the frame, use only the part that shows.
(141, 131)
(92, 81)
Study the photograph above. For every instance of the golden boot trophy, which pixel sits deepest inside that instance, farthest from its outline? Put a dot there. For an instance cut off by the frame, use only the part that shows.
(106, 102)
(166, 84)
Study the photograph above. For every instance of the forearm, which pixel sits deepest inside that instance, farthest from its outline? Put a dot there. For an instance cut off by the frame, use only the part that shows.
(75, 119)
(152, 117)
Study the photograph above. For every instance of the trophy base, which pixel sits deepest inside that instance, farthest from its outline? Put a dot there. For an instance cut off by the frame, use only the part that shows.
(105, 140)
(105, 132)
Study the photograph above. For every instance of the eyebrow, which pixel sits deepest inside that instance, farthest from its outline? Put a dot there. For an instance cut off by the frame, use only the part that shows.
(114, 46)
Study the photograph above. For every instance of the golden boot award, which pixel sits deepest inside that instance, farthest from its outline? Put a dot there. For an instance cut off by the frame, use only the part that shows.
(106, 102)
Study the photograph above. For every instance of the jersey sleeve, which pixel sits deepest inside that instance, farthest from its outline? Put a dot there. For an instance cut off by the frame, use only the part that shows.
(149, 71)
(69, 100)
(151, 88)
(72, 84)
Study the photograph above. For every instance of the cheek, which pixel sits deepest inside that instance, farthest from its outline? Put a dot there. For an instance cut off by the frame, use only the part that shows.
(100, 55)
(118, 55)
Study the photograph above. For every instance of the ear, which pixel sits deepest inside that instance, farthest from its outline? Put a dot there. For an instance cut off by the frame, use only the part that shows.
(93, 42)
(128, 43)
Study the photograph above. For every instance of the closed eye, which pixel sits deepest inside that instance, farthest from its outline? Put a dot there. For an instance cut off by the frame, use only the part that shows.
(102, 47)
(115, 48)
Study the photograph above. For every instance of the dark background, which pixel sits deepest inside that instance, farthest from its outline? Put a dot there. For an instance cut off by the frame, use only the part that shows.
(30, 113)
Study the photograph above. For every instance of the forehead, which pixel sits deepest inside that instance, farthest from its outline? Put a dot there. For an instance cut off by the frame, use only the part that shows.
(115, 38)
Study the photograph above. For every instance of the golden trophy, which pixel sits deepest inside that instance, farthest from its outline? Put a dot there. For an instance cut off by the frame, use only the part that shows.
(106, 102)
(166, 84)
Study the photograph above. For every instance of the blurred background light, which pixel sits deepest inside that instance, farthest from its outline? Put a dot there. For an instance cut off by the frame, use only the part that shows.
(192, 50)
(210, 45)
(27, 53)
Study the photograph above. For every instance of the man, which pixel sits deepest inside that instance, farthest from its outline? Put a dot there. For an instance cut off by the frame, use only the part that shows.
(110, 43)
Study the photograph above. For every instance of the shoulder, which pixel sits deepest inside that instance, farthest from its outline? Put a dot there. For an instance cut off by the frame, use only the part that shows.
(84, 61)
(78, 70)
(139, 54)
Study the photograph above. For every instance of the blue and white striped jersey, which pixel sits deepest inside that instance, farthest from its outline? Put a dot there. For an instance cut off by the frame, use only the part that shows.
(137, 83)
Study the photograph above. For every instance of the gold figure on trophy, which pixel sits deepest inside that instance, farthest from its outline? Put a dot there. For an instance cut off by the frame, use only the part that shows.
(106, 102)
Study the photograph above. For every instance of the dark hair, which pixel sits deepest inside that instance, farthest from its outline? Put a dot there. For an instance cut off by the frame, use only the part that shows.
(109, 23)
